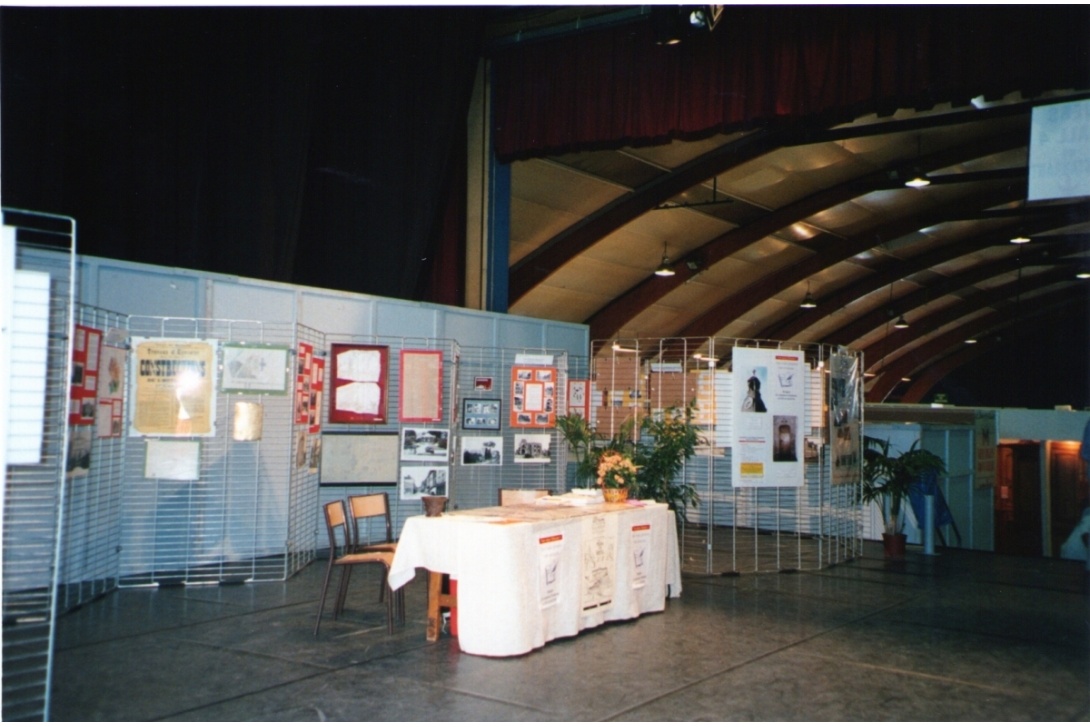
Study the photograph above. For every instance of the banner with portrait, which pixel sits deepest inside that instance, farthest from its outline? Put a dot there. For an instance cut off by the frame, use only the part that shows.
(770, 396)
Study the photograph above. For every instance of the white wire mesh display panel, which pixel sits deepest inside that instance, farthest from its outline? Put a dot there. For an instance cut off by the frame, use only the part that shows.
(232, 523)
(403, 499)
(485, 374)
(91, 536)
(33, 496)
(734, 529)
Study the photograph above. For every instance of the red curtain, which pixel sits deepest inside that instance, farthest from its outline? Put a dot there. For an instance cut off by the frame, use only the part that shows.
(776, 63)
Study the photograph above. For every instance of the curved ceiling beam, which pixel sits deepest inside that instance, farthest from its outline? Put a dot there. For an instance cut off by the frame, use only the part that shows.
(928, 379)
(902, 338)
(892, 270)
(921, 356)
(612, 317)
(533, 269)
(831, 250)
(867, 322)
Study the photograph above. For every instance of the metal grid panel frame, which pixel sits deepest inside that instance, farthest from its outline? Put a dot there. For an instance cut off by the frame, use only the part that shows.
(33, 507)
(479, 485)
(400, 509)
(91, 536)
(733, 530)
(234, 523)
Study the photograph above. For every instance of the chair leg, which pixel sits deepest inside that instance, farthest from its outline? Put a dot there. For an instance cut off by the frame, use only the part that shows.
(342, 591)
(321, 601)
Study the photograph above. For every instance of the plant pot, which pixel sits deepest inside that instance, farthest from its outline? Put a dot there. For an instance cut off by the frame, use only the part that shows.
(615, 494)
(894, 545)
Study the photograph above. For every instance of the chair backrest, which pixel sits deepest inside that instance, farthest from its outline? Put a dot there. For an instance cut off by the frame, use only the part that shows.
(362, 507)
(511, 496)
(335, 521)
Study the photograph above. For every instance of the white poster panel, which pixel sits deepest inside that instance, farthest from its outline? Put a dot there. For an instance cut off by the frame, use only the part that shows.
(770, 388)
(549, 548)
(599, 561)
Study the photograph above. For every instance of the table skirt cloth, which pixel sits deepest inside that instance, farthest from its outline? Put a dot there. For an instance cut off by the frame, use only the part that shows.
(531, 573)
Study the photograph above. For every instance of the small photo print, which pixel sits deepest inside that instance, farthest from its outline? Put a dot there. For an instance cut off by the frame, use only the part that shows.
(423, 443)
(532, 448)
(418, 481)
(482, 451)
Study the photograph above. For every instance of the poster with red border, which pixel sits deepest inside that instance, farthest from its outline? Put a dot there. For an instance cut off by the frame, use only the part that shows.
(357, 386)
(533, 397)
(302, 383)
(421, 386)
(83, 389)
(317, 386)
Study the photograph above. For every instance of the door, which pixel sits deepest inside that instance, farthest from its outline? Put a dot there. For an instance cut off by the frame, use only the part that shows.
(1068, 492)
(1018, 500)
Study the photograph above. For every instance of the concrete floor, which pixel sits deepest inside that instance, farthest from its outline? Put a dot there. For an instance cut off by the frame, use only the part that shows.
(961, 636)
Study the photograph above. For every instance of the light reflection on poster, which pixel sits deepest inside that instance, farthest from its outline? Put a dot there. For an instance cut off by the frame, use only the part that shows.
(173, 388)
(844, 415)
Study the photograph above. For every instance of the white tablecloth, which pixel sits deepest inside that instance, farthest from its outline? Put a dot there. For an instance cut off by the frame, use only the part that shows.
(528, 574)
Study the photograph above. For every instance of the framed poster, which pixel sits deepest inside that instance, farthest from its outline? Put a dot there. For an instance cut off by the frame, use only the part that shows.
(253, 368)
(83, 393)
(111, 391)
(533, 397)
(421, 386)
(357, 391)
(578, 401)
(358, 459)
(317, 386)
(481, 414)
(173, 388)
(532, 449)
(304, 362)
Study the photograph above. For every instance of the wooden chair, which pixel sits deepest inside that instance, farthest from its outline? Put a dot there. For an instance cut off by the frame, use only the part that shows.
(364, 510)
(336, 522)
(514, 496)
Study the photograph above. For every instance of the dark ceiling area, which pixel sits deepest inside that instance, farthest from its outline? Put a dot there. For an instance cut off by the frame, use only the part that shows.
(765, 158)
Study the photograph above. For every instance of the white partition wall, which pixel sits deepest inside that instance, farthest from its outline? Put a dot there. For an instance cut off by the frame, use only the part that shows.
(809, 520)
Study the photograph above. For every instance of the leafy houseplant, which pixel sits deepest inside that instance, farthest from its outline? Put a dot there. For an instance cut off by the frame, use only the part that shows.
(888, 478)
(665, 444)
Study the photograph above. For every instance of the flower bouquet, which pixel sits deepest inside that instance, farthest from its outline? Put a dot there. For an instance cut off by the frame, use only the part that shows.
(616, 473)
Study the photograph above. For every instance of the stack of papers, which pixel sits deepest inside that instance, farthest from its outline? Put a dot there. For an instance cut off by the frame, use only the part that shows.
(575, 498)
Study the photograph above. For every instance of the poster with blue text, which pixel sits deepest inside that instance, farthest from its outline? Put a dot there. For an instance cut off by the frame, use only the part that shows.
(770, 407)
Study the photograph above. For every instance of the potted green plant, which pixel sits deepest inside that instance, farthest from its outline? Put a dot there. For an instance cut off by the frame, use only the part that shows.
(666, 442)
(887, 480)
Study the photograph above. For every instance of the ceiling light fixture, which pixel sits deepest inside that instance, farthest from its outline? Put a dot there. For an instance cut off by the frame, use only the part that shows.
(970, 341)
(1084, 275)
(808, 300)
(900, 323)
(664, 270)
(919, 179)
(1019, 239)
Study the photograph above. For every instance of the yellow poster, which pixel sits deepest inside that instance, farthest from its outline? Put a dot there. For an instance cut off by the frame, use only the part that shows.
(174, 388)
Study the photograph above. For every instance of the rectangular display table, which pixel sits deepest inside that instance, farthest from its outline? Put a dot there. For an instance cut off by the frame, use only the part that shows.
(531, 573)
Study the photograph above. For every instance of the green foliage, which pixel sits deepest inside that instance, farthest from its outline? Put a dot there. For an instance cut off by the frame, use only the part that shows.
(665, 443)
(888, 478)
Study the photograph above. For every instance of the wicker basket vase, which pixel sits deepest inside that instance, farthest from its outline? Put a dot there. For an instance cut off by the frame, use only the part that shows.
(615, 494)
